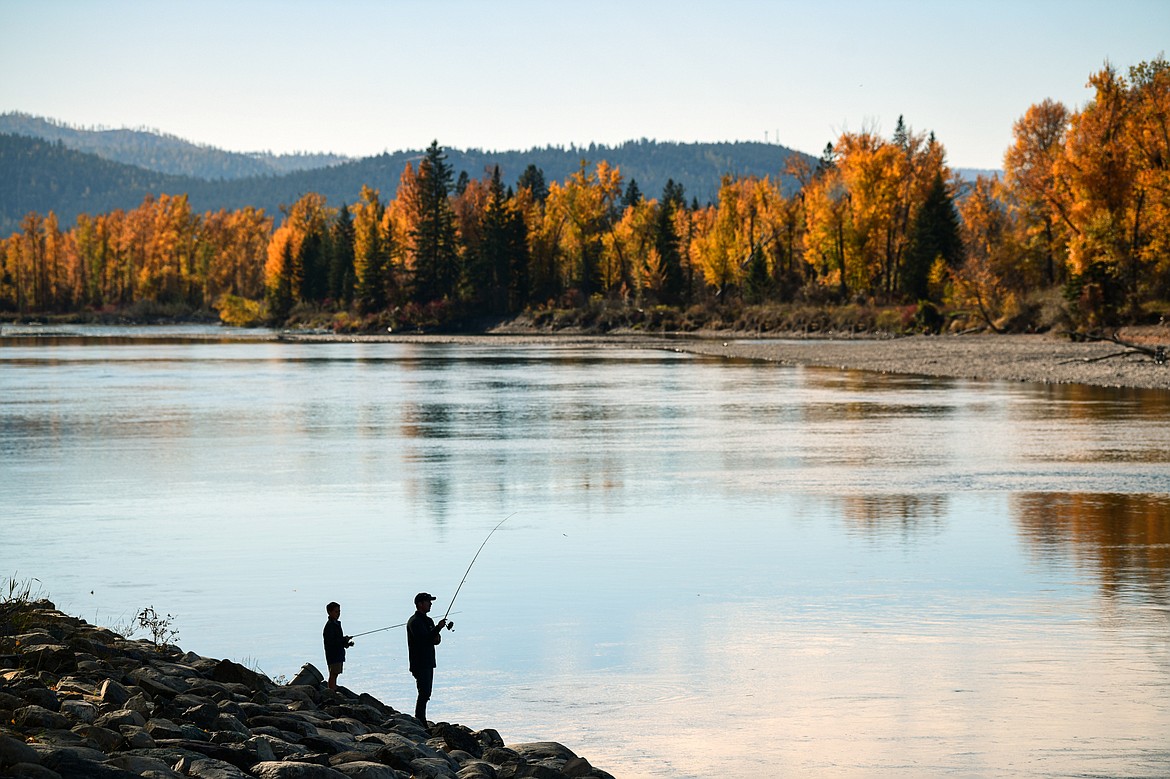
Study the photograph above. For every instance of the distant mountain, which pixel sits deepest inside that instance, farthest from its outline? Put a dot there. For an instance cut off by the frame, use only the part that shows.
(970, 174)
(163, 153)
(42, 176)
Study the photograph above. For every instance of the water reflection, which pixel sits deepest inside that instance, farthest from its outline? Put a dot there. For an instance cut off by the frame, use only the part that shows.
(1124, 540)
(907, 516)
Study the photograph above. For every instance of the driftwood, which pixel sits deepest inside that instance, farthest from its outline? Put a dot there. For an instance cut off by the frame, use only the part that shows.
(1157, 353)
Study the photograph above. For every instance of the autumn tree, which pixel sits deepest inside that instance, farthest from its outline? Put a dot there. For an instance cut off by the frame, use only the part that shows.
(1030, 173)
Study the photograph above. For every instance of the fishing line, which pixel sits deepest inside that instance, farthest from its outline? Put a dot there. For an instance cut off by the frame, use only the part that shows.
(388, 627)
(473, 559)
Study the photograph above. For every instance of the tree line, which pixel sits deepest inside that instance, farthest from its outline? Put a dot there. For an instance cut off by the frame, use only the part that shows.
(1082, 208)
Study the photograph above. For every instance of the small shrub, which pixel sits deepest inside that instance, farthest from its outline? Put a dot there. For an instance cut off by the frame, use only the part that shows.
(161, 632)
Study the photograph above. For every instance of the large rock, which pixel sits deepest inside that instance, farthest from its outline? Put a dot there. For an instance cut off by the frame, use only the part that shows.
(140, 764)
(79, 711)
(116, 719)
(54, 658)
(160, 728)
(70, 765)
(39, 718)
(365, 769)
(136, 737)
(233, 673)
(13, 751)
(295, 770)
(432, 768)
(458, 737)
(206, 768)
(32, 691)
(30, 771)
(113, 693)
(156, 682)
(543, 750)
(102, 739)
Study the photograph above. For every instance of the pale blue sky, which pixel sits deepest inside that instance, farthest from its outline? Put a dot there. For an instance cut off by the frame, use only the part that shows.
(360, 77)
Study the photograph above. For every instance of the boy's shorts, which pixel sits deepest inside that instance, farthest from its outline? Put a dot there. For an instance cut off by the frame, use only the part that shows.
(335, 668)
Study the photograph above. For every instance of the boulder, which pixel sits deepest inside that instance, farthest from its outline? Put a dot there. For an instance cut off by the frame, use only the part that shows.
(294, 770)
(489, 737)
(136, 737)
(458, 737)
(70, 765)
(79, 711)
(203, 715)
(234, 754)
(54, 658)
(432, 768)
(155, 682)
(113, 693)
(141, 703)
(233, 673)
(39, 718)
(262, 747)
(116, 719)
(30, 771)
(476, 769)
(543, 750)
(37, 694)
(102, 739)
(160, 728)
(13, 751)
(206, 768)
(139, 764)
(365, 769)
(230, 723)
(576, 768)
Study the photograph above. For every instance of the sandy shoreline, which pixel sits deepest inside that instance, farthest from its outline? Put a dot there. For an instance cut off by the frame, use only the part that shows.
(1048, 358)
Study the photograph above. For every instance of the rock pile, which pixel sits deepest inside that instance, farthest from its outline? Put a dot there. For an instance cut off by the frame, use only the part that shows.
(78, 700)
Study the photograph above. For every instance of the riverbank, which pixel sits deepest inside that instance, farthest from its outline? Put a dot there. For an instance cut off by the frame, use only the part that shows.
(80, 701)
(1042, 358)
(1046, 359)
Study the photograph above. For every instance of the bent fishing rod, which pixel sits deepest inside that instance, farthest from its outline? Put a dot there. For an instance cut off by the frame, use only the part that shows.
(473, 559)
(457, 589)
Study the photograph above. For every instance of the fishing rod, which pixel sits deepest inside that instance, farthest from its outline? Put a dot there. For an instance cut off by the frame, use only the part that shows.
(473, 559)
(388, 627)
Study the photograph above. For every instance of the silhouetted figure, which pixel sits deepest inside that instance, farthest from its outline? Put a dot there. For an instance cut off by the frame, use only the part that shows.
(335, 643)
(422, 636)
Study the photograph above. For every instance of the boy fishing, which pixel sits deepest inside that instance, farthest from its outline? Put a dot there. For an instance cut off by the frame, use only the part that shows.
(335, 643)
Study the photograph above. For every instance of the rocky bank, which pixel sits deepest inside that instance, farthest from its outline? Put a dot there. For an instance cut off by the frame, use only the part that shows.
(77, 700)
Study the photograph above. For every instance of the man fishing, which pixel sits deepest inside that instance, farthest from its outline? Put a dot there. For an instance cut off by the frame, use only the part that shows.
(422, 636)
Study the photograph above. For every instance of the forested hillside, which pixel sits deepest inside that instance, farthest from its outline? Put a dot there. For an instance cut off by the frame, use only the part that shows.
(164, 153)
(43, 176)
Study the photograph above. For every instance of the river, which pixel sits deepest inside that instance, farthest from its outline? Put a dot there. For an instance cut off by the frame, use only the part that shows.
(709, 568)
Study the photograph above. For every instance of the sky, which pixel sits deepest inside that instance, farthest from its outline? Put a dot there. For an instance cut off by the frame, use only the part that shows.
(360, 77)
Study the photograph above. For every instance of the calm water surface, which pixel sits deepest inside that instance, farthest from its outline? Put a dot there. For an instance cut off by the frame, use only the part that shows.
(713, 569)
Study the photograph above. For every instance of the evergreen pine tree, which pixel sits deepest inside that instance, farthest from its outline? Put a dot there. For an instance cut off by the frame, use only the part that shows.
(436, 253)
(666, 241)
(373, 285)
(632, 196)
(934, 234)
(341, 272)
(532, 179)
